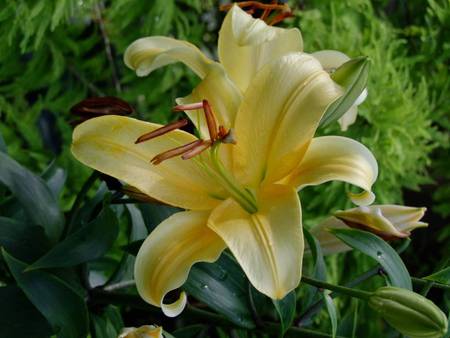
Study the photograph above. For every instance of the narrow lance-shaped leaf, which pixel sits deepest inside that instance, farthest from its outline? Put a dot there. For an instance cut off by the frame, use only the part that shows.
(379, 250)
(286, 310)
(64, 308)
(332, 312)
(34, 195)
(223, 287)
(88, 243)
(352, 76)
(442, 276)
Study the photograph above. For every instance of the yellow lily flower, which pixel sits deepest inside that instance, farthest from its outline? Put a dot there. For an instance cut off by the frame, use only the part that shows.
(268, 97)
(146, 331)
(331, 60)
(387, 221)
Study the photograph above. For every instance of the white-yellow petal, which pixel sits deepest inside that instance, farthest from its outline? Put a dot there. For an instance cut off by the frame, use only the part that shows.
(146, 331)
(107, 144)
(168, 253)
(267, 244)
(336, 158)
(278, 117)
(147, 54)
(247, 44)
(329, 243)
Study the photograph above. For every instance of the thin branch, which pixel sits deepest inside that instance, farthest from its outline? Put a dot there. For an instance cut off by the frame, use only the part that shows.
(108, 50)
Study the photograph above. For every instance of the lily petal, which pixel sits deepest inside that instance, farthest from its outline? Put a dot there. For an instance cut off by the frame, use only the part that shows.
(336, 158)
(147, 54)
(278, 117)
(107, 144)
(221, 93)
(247, 44)
(168, 253)
(329, 243)
(267, 244)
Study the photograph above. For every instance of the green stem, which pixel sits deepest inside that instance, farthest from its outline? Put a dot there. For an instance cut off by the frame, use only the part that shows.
(98, 296)
(337, 288)
(429, 284)
(79, 199)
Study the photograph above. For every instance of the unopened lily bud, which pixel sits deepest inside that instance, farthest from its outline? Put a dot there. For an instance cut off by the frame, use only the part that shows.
(409, 313)
(99, 106)
(146, 331)
(390, 222)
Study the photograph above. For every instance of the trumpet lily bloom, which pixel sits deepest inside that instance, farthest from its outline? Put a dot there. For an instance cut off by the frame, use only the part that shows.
(330, 61)
(267, 97)
(146, 331)
(387, 221)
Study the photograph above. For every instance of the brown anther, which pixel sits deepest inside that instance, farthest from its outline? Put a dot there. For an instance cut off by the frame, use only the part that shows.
(175, 152)
(97, 106)
(251, 8)
(210, 121)
(229, 137)
(161, 131)
(189, 106)
(201, 147)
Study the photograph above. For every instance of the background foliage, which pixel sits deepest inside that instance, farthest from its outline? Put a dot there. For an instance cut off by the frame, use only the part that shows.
(67, 50)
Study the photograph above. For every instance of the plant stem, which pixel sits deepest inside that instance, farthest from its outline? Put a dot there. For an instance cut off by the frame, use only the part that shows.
(337, 288)
(98, 296)
(120, 285)
(429, 284)
(80, 197)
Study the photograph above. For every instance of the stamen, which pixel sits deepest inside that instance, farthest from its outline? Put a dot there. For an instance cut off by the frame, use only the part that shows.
(189, 106)
(255, 4)
(175, 152)
(210, 120)
(229, 137)
(201, 147)
(161, 131)
(280, 17)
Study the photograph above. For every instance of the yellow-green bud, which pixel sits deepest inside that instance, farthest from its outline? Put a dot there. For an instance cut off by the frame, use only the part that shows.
(408, 312)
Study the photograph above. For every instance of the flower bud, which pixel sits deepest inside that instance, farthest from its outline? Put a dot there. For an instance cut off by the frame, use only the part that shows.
(146, 331)
(390, 222)
(409, 313)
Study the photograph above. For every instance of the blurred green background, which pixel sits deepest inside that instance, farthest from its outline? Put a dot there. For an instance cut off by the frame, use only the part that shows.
(56, 53)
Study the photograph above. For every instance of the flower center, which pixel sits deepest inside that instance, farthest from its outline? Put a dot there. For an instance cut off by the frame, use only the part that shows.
(214, 167)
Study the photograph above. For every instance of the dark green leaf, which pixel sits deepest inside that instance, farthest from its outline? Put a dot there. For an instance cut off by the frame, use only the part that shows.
(88, 243)
(133, 247)
(60, 304)
(34, 195)
(55, 178)
(286, 310)
(108, 323)
(442, 276)
(352, 76)
(3, 147)
(375, 247)
(24, 241)
(191, 331)
(154, 214)
(223, 287)
(16, 310)
(332, 312)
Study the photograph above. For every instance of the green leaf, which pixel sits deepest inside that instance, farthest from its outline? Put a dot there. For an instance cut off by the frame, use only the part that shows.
(34, 195)
(383, 253)
(90, 242)
(3, 147)
(332, 312)
(223, 287)
(442, 276)
(55, 178)
(154, 214)
(352, 76)
(64, 308)
(24, 241)
(286, 310)
(16, 311)
(191, 331)
(108, 323)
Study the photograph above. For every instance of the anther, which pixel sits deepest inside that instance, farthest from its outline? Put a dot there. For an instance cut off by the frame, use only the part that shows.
(161, 131)
(175, 152)
(210, 120)
(189, 106)
(201, 147)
